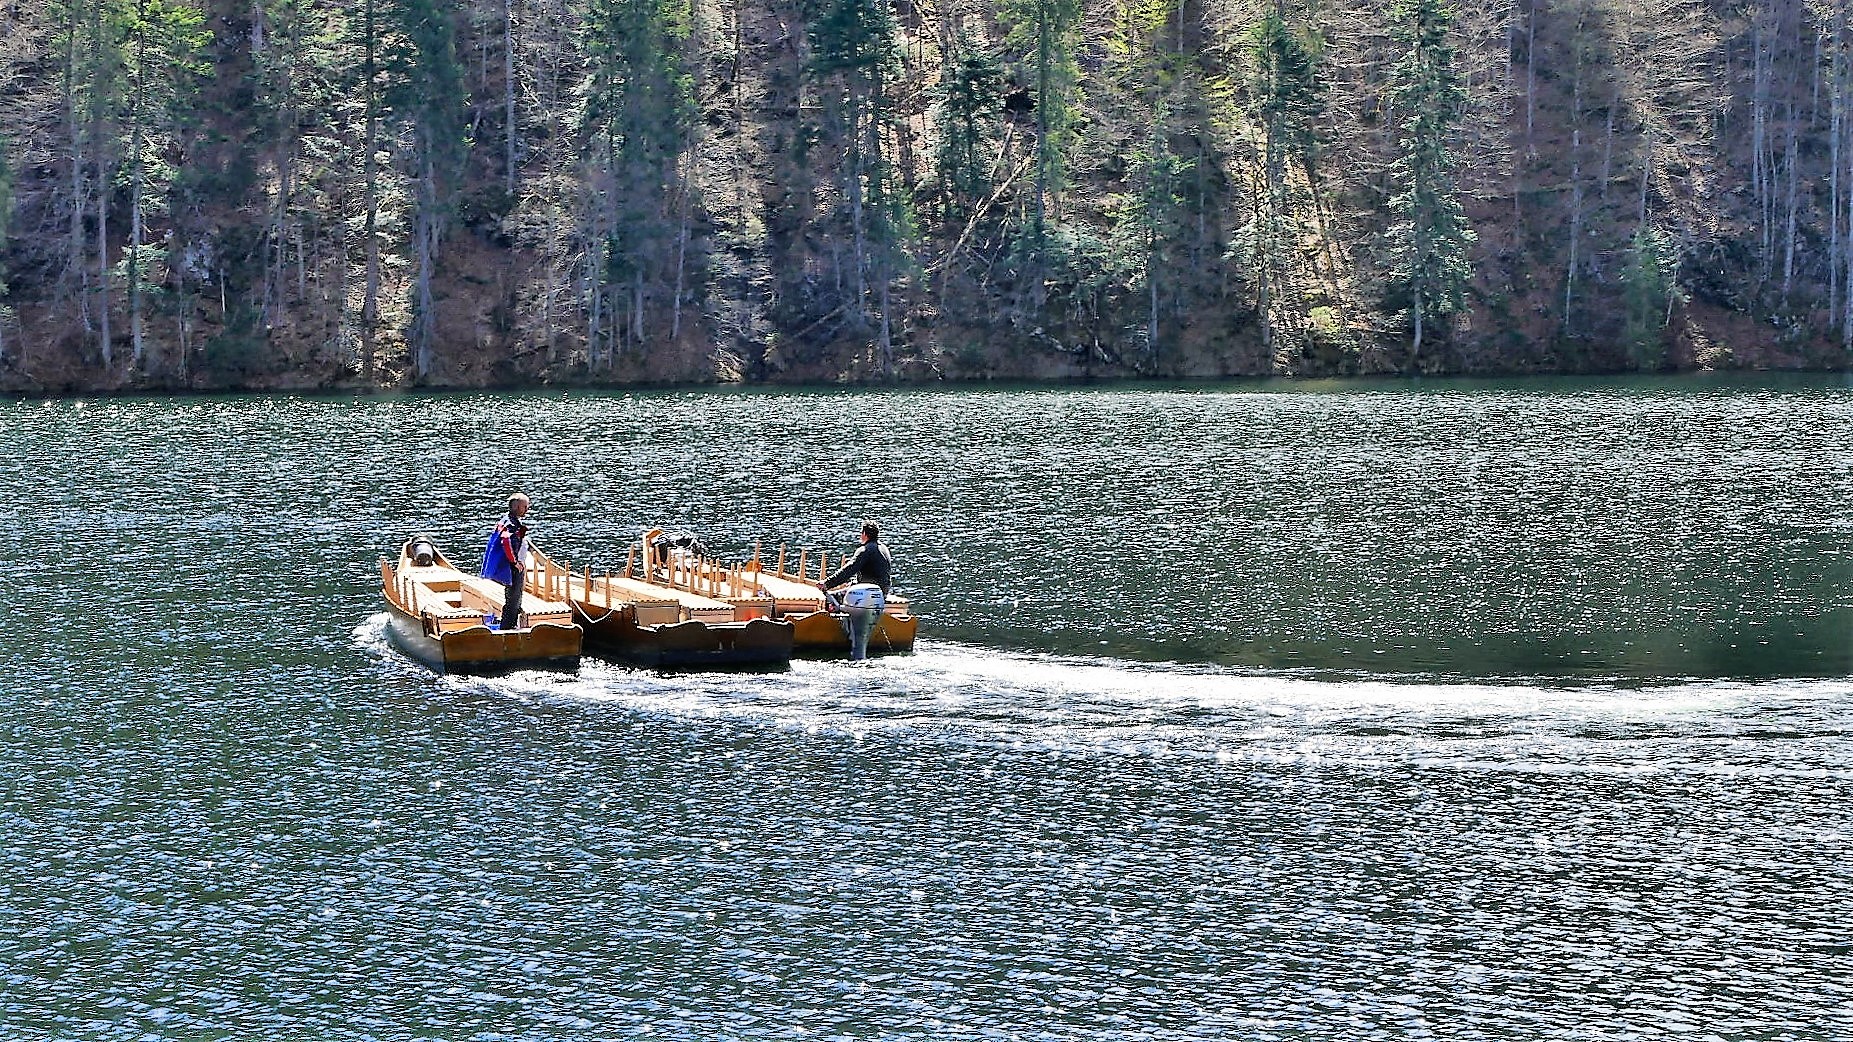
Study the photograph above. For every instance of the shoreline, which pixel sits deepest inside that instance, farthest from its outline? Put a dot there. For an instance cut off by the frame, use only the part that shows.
(1748, 374)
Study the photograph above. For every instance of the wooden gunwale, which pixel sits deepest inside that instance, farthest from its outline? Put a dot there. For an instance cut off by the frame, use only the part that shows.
(799, 599)
(449, 634)
(656, 625)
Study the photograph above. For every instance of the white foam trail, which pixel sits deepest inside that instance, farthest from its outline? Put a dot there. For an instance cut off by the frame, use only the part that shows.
(963, 695)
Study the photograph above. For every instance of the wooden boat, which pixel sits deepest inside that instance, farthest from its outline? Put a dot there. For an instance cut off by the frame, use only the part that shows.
(646, 619)
(795, 596)
(440, 616)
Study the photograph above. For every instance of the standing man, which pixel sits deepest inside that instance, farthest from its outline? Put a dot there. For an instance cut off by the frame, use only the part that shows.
(863, 601)
(504, 557)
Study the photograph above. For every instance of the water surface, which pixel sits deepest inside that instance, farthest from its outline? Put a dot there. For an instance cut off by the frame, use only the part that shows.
(1474, 710)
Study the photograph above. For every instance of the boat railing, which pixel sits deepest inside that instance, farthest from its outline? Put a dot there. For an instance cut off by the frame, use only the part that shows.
(812, 570)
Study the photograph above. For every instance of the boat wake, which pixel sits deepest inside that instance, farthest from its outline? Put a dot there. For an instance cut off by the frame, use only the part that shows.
(955, 694)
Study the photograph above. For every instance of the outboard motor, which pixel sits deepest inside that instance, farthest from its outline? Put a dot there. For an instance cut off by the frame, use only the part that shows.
(422, 553)
(865, 595)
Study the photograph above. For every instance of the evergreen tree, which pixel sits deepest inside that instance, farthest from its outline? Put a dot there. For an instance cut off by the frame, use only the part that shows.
(163, 41)
(1430, 238)
(639, 116)
(427, 94)
(97, 72)
(1649, 293)
(293, 85)
(1286, 99)
(970, 113)
(1150, 223)
(1042, 36)
(6, 215)
(854, 56)
(1146, 71)
(128, 67)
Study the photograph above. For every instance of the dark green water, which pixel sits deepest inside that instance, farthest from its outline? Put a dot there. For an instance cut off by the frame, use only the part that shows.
(1468, 710)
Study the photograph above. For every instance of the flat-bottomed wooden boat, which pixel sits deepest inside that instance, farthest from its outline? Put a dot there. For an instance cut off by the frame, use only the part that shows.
(651, 623)
(440, 616)
(815, 629)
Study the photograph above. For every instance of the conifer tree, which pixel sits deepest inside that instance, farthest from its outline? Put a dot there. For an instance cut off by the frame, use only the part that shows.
(163, 41)
(1649, 292)
(1042, 36)
(970, 112)
(1430, 238)
(97, 64)
(1149, 224)
(427, 94)
(639, 116)
(1146, 71)
(854, 56)
(6, 215)
(1286, 98)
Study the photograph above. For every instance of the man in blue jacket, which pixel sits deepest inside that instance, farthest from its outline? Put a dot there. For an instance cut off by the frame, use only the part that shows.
(503, 559)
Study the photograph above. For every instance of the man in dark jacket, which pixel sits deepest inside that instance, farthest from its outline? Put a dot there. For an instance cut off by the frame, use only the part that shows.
(871, 566)
(504, 559)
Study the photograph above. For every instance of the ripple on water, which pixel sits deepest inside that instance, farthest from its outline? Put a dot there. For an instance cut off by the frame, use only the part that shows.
(1495, 730)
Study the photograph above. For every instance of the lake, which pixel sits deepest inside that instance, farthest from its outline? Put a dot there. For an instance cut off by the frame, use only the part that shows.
(1464, 709)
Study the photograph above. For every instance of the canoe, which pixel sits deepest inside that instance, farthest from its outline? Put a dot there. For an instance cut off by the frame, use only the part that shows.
(441, 616)
(795, 596)
(651, 623)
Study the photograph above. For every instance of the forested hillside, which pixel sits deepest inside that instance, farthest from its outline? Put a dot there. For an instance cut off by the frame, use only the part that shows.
(320, 193)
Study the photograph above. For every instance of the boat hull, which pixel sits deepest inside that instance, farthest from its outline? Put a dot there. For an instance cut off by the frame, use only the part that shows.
(822, 632)
(755, 643)
(479, 649)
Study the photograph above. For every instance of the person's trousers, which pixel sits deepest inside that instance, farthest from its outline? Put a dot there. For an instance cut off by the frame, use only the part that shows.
(511, 605)
(861, 623)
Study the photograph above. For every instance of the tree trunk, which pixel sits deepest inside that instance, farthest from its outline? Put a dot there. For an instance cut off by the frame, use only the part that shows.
(1833, 170)
(1788, 230)
(1608, 141)
(426, 231)
(1151, 293)
(1576, 229)
(685, 190)
(858, 232)
(103, 330)
(1531, 73)
(75, 259)
(370, 291)
(885, 341)
(1415, 342)
(511, 133)
(135, 207)
(637, 298)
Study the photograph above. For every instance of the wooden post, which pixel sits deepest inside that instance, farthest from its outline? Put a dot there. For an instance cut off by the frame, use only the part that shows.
(803, 556)
(781, 558)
